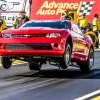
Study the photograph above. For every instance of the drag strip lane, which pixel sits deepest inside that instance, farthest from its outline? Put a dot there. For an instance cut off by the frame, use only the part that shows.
(51, 83)
(27, 87)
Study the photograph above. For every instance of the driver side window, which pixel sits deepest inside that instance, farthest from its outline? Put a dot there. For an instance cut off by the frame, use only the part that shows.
(76, 29)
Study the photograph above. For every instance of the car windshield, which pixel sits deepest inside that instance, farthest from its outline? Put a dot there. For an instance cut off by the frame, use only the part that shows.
(51, 24)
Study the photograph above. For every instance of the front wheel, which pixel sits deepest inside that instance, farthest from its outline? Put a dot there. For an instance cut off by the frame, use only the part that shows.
(65, 60)
(6, 62)
(87, 66)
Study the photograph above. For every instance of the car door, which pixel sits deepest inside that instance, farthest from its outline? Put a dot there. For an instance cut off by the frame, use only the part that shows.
(79, 43)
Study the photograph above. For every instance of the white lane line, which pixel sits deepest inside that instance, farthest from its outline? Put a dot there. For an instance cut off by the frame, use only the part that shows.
(88, 95)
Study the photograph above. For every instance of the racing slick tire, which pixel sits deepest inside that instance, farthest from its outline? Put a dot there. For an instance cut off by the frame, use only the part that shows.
(88, 65)
(35, 66)
(6, 62)
(65, 60)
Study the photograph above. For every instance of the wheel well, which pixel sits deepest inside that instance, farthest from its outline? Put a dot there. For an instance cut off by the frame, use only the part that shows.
(69, 40)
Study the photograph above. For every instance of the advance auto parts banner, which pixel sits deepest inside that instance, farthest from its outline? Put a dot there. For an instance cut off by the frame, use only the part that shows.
(51, 9)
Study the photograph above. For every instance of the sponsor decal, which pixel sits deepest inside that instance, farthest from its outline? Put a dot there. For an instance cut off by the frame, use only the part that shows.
(55, 8)
(86, 7)
(6, 5)
(10, 9)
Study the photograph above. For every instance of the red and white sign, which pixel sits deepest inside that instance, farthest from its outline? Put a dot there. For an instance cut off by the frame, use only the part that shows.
(51, 9)
(11, 8)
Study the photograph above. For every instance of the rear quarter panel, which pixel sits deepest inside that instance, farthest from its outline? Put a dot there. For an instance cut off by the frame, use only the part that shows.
(88, 40)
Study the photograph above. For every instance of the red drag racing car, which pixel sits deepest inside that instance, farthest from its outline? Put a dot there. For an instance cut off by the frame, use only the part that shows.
(58, 41)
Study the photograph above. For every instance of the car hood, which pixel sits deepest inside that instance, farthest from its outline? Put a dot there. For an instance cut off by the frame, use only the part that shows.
(32, 30)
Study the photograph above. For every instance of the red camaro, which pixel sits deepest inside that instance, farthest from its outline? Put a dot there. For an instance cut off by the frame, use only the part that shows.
(58, 41)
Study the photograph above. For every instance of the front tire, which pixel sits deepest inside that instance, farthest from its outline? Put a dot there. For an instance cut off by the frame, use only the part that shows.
(87, 67)
(65, 60)
(6, 62)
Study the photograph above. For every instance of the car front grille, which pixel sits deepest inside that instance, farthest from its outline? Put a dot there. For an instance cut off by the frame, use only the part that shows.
(28, 47)
(27, 35)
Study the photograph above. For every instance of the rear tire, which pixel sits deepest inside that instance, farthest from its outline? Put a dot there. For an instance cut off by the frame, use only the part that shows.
(65, 60)
(87, 67)
(6, 62)
(35, 66)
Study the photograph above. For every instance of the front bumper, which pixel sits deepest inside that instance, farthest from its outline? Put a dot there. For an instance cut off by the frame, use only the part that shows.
(32, 47)
(45, 53)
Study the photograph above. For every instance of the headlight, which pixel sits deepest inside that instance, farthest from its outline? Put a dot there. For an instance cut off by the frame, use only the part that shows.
(6, 35)
(53, 35)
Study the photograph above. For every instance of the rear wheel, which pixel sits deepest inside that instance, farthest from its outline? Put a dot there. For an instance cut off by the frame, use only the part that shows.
(65, 60)
(87, 67)
(35, 65)
(6, 62)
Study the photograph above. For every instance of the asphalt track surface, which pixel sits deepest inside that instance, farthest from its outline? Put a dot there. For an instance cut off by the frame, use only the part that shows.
(51, 83)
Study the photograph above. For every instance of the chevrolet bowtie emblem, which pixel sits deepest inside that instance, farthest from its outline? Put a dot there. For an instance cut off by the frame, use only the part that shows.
(26, 35)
